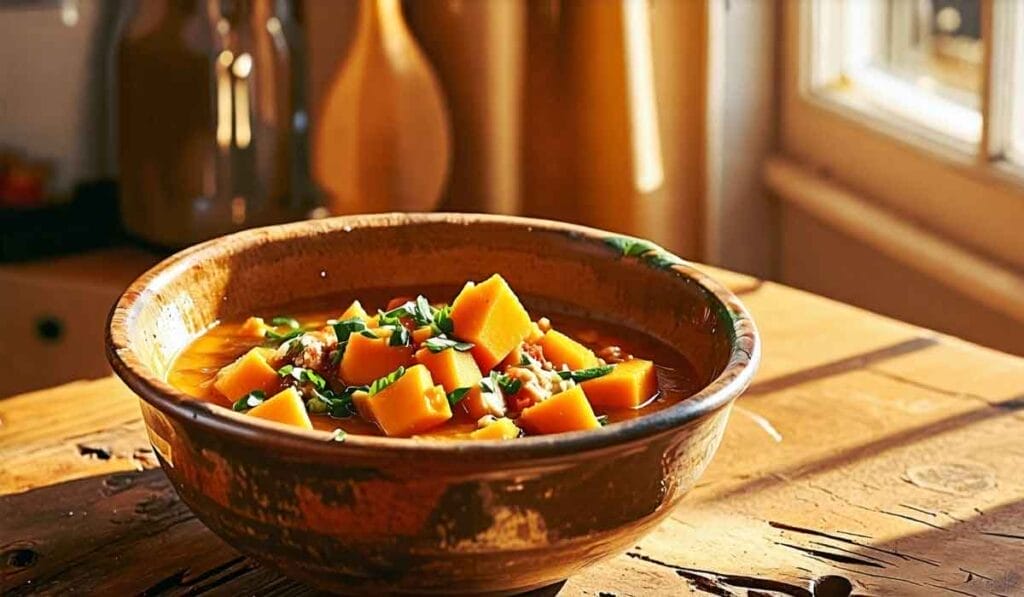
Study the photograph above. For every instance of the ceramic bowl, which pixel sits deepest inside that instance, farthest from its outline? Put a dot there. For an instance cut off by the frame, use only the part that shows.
(375, 514)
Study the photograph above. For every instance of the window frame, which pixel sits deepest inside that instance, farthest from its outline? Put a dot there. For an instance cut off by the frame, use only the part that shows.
(967, 194)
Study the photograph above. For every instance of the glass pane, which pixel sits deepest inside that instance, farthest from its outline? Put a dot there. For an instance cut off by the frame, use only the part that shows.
(936, 46)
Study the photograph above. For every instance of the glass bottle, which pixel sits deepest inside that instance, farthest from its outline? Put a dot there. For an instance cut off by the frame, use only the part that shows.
(212, 120)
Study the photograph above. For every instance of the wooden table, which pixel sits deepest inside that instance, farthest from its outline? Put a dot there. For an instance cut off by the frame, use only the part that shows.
(868, 453)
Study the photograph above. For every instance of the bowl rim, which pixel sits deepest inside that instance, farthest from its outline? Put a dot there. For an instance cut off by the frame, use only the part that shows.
(744, 355)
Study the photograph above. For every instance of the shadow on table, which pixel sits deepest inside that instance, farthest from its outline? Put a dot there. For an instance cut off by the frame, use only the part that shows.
(125, 534)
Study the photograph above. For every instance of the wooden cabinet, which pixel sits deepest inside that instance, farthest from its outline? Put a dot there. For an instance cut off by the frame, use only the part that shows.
(54, 315)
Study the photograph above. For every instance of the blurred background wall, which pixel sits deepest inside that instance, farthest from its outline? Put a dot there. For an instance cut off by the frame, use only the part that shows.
(868, 150)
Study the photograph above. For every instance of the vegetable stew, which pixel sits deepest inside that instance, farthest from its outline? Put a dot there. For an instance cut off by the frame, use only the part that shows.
(478, 368)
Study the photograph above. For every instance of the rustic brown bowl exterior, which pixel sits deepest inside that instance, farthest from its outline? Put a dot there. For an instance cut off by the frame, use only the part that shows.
(374, 515)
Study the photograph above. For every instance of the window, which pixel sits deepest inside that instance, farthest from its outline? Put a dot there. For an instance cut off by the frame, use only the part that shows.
(920, 67)
(912, 110)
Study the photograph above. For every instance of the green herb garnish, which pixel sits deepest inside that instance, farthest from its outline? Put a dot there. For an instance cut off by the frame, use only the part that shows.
(443, 323)
(457, 395)
(342, 329)
(418, 310)
(585, 374)
(525, 360)
(339, 406)
(509, 385)
(368, 334)
(292, 333)
(399, 336)
(387, 380)
(317, 405)
(424, 313)
(301, 374)
(442, 342)
(289, 322)
(338, 435)
(250, 400)
(603, 420)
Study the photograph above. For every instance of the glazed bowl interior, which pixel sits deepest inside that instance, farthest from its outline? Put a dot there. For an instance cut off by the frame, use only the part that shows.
(563, 267)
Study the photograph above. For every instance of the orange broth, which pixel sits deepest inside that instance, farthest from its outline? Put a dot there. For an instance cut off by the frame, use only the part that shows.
(193, 371)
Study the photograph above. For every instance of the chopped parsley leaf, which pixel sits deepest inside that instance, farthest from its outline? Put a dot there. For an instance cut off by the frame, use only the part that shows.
(442, 342)
(250, 400)
(379, 384)
(289, 322)
(457, 395)
(585, 374)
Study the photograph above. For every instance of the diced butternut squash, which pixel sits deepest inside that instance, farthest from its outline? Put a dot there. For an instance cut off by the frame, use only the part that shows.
(450, 368)
(422, 334)
(354, 310)
(535, 333)
(630, 384)
(512, 359)
(410, 405)
(250, 372)
(490, 316)
(254, 327)
(499, 429)
(477, 403)
(367, 359)
(361, 400)
(562, 350)
(565, 411)
(284, 407)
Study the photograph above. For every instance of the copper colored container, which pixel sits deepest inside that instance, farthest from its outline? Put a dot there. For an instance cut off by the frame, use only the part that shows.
(378, 515)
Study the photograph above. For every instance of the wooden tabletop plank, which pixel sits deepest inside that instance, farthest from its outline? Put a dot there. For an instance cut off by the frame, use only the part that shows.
(868, 453)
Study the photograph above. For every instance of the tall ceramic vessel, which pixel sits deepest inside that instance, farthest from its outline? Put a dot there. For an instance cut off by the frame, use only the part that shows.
(382, 140)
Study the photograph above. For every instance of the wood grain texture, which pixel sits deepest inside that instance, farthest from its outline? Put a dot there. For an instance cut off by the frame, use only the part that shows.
(869, 454)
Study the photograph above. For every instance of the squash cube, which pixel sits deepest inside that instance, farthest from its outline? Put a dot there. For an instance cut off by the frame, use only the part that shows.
(628, 385)
(367, 359)
(422, 334)
(249, 372)
(499, 429)
(284, 407)
(410, 405)
(562, 350)
(565, 411)
(254, 327)
(477, 403)
(450, 368)
(355, 310)
(490, 316)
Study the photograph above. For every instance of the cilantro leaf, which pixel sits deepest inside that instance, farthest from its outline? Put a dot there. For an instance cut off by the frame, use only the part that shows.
(443, 323)
(424, 315)
(457, 395)
(250, 400)
(302, 374)
(399, 336)
(509, 385)
(585, 374)
(442, 342)
(291, 333)
(387, 380)
(289, 322)
(342, 329)
(418, 310)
